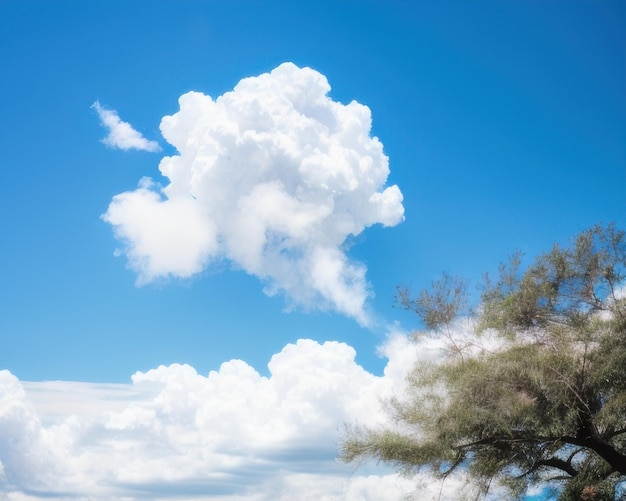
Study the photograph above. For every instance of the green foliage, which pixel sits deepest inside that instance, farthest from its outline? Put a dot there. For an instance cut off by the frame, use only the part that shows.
(438, 306)
(548, 405)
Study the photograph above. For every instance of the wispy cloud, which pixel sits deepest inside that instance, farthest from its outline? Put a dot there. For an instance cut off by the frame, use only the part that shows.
(121, 134)
(273, 176)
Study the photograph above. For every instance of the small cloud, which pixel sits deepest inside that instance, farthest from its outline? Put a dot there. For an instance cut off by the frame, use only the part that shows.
(121, 134)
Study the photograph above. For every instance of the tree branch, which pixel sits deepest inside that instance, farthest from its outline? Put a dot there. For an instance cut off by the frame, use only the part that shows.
(616, 459)
(616, 433)
(559, 464)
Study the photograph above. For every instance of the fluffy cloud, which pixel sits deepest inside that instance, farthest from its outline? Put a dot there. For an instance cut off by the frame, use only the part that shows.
(273, 176)
(173, 433)
(234, 434)
(121, 134)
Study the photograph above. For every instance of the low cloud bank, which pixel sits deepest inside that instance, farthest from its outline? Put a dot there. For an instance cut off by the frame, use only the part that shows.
(274, 177)
(234, 434)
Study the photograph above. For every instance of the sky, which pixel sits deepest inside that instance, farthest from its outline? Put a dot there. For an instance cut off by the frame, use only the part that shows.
(207, 207)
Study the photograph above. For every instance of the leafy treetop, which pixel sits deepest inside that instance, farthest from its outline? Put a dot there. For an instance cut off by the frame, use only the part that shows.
(548, 406)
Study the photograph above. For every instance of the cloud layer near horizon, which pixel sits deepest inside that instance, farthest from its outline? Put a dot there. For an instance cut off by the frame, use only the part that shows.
(121, 134)
(234, 434)
(273, 176)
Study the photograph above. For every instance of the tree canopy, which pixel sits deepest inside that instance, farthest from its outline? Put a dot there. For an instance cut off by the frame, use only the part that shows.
(546, 405)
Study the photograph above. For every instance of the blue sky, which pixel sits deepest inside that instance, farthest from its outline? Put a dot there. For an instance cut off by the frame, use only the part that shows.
(504, 124)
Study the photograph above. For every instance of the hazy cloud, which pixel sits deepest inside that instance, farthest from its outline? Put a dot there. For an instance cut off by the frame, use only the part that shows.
(121, 134)
(273, 176)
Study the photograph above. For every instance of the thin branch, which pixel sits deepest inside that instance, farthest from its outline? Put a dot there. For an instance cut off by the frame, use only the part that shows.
(616, 433)
(612, 456)
(553, 462)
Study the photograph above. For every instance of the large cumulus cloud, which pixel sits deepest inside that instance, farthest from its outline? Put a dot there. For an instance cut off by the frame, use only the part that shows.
(274, 176)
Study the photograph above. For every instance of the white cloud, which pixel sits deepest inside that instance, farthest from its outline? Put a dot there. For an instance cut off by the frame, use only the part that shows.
(273, 176)
(121, 134)
(175, 434)
(231, 435)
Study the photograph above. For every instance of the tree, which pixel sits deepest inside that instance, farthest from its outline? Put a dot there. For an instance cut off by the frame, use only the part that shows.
(547, 404)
